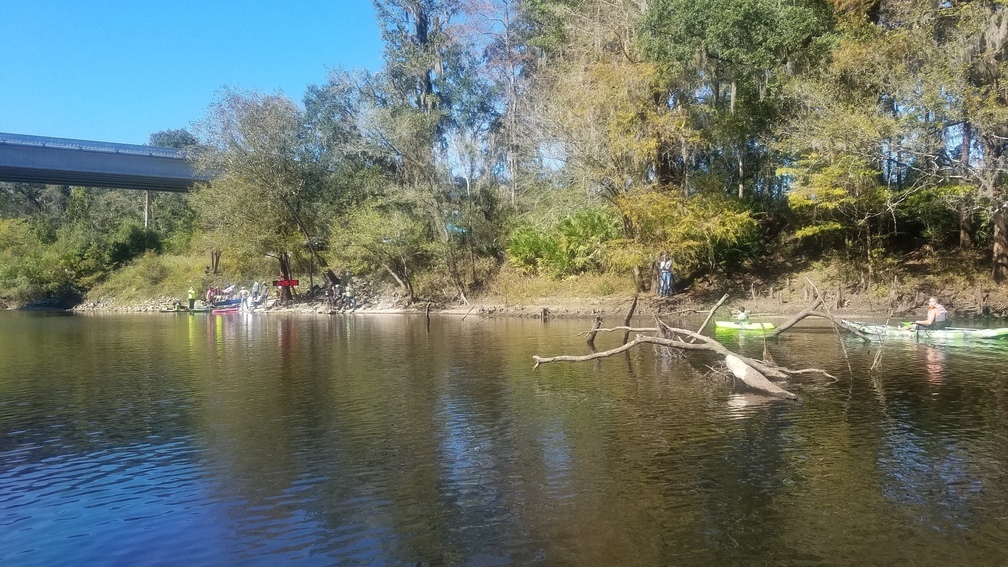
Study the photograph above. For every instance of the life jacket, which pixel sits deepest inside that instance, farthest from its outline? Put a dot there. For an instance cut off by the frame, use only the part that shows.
(942, 313)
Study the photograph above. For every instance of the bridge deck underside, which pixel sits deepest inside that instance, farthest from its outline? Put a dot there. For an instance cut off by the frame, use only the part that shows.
(88, 179)
(65, 166)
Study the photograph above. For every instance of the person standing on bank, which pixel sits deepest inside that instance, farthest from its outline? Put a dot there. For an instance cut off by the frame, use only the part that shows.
(192, 299)
(937, 317)
(666, 283)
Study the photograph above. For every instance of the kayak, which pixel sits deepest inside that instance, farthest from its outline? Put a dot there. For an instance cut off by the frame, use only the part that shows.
(743, 326)
(946, 334)
(224, 311)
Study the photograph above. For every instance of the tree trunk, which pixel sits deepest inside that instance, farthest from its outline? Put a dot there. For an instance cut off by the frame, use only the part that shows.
(323, 265)
(215, 255)
(404, 283)
(965, 212)
(285, 272)
(965, 227)
(999, 261)
(749, 378)
(741, 173)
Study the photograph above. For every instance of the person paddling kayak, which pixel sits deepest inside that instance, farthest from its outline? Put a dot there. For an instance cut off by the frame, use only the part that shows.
(937, 317)
(742, 316)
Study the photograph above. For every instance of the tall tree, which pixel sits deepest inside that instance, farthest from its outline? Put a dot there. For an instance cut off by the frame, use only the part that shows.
(726, 62)
(262, 198)
(428, 115)
(912, 99)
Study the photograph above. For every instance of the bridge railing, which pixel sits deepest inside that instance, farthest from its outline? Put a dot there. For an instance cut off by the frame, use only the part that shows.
(110, 147)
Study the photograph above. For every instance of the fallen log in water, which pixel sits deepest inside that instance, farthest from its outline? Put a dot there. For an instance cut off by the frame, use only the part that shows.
(753, 380)
(749, 373)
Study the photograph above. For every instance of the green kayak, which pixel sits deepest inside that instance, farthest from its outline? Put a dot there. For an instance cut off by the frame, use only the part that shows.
(743, 326)
(947, 334)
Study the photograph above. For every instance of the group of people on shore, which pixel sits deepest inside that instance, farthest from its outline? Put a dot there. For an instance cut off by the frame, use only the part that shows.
(231, 295)
(341, 297)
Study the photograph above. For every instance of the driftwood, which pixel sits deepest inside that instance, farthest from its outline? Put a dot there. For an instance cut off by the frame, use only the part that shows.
(593, 332)
(710, 314)
(749, 373)
(755, 381)
(629, 316)
(751, 379)
(792, 321)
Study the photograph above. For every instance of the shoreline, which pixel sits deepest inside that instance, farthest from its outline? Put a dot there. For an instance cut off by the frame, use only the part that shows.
(965, 303)
(543, 308)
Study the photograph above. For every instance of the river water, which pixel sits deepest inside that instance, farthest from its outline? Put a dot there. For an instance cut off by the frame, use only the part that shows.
(369, 440)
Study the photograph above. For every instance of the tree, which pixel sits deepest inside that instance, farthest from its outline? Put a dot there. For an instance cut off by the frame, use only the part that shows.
(386, 238)
(265, 187)
(911, 102)
(179, 139)
(175, 221)
(420, 124)
(725, 62)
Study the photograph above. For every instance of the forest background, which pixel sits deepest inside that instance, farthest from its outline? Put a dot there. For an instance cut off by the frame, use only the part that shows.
(518, 148)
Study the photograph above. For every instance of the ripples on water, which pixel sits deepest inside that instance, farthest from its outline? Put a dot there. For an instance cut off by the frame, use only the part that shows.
(364, 440)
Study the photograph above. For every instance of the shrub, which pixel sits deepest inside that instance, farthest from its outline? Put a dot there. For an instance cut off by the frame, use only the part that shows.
(575, 245)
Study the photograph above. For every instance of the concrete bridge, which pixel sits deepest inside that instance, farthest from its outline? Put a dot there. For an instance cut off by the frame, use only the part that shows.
(62, 161)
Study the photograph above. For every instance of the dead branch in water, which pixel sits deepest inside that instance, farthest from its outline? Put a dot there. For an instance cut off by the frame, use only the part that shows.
(748, 372)
(710, 314)
(593, 332)
(755, 379)
(794, 320)
(620, 328)
(629, 316)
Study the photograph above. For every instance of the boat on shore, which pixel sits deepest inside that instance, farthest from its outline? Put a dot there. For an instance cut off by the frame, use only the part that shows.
(736, 326)
(184, 310)
(964, 334)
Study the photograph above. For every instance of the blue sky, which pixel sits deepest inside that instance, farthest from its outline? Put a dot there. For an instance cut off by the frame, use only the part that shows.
(118, 70)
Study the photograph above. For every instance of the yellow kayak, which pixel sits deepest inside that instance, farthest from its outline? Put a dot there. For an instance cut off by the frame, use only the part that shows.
(743, 326)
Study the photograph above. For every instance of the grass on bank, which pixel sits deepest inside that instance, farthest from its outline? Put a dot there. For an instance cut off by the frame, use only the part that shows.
(961, 278)
(509, 287)
(162, 277)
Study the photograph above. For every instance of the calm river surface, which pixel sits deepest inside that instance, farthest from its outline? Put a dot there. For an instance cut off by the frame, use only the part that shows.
(365, 440)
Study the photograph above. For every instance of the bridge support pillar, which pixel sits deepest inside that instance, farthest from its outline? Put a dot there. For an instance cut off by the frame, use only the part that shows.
(146, 209)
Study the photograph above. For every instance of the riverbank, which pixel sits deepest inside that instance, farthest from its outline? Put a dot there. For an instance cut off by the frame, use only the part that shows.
(960, 280)
(769, 303)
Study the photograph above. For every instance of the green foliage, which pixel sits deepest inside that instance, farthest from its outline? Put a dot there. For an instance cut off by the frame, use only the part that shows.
(131, 241)
(936, 211)
(705, 232)
(32, 267)
(575, 245)
(179, 139)
(818, 230)
(380, 240)
(151, 269)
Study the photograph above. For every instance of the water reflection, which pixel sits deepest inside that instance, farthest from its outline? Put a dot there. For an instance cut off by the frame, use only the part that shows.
(368, 440)
(934, 363)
